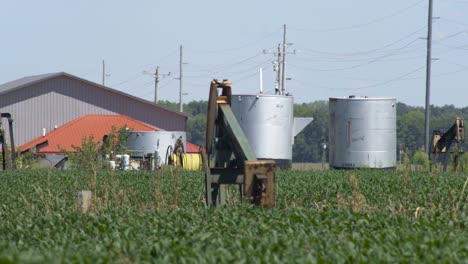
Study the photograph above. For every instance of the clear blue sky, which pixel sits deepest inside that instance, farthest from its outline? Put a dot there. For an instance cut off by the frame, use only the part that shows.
(362, 47)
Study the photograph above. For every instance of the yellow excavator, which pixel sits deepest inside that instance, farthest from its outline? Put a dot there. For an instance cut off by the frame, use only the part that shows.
(442, 141)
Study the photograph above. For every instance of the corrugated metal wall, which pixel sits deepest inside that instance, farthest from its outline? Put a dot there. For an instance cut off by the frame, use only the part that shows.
(62, 99)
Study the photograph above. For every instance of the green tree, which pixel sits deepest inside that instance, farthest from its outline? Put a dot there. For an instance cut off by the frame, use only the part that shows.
(114, 142)
(421, 160)
(410, 130)
(86, 156)
(307, 144)
(196, 128)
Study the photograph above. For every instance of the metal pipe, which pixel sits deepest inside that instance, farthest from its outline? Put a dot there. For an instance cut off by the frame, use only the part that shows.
(3, 157)
(12, 142)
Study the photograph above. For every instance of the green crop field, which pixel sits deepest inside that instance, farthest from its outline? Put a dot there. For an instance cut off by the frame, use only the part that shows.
(321, 216)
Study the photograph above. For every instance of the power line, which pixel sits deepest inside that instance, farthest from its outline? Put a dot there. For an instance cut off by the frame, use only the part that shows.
(412, 34)
(462, 47)
(238, 62)
(135, 77)
(166, 84)
(209, 75)
(222, 68)
(160, 59)
(451, 36)
(337, 60)
(245, 77)
(399, 51)
(373, 21)
(401, 77)
(365, 63)
(398, 78)
(248, 44)
(139, 75)
(454, 21)
(436, 75)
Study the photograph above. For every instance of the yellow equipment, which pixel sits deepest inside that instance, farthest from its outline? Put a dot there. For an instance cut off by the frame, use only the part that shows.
(442, 141)
(188, 161)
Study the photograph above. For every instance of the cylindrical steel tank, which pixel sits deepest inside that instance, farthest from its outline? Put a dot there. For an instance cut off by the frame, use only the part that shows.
(362, 132)
(267, 121)
(142, 143)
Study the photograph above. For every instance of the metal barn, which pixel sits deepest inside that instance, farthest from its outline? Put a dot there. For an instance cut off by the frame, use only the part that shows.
(50, 100)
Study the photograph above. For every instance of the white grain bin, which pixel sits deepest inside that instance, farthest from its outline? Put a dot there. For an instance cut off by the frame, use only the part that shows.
(362, 132)
(142, 143)
(268, 123)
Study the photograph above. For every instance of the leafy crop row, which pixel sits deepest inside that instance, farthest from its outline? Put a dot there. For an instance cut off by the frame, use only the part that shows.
(331, 216)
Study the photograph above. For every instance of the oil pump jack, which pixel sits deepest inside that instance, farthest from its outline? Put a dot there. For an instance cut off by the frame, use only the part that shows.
(234, 160)
(442, 141)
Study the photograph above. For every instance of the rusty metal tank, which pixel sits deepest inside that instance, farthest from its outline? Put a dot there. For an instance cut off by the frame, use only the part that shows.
(362, 132)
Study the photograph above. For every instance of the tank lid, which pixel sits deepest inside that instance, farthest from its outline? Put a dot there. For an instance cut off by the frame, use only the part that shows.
(361, 97)
(264, 95)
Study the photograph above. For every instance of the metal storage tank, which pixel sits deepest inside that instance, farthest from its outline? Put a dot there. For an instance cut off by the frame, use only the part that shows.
(268, 123)
(362, 132)
(142, 143)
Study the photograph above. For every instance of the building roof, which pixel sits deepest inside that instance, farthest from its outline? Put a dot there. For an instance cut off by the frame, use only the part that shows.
(30, 80)
(73, 132)
(25, 81)
(191, 148)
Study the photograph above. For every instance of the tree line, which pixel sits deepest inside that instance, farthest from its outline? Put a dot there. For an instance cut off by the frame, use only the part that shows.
(308, 145)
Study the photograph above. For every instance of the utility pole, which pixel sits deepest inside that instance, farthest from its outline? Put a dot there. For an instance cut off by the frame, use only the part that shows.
(103, 72)
(428, 78)
(283, 68)
(156, 81)
(104, 75)
(276, 67)
(181, 106)
(157, 75)
(284, 60)
(280, 64)
(278, 71)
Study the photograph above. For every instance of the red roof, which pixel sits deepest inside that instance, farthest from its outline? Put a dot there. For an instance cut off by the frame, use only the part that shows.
(73, 132)
(191, 148)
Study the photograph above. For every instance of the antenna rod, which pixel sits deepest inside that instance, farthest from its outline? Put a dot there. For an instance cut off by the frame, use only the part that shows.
(428, 79)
